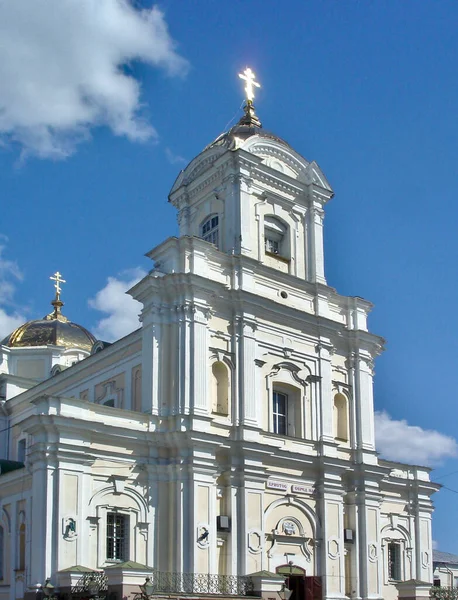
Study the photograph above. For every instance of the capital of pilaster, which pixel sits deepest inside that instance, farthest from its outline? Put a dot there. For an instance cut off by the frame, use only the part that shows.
(183, 216)
(324, 350)
(245, 325)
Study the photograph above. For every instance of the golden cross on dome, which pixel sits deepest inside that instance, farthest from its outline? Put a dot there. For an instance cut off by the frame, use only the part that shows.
(57, 277)
(249, 77)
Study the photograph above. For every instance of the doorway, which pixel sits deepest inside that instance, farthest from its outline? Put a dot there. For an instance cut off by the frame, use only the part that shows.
(294, 581)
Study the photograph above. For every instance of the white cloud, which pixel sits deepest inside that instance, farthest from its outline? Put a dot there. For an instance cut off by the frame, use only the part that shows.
(122, 309)
(64, 68)
(174, 159)
(399, 441)
(435, 545)
(10, 274)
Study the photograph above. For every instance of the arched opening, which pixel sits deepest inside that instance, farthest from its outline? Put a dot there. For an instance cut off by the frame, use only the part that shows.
(340, 417)
(109, 402)
(137, 390)
(220, 388)
(275, 237)
(21, 546)
(2, 553)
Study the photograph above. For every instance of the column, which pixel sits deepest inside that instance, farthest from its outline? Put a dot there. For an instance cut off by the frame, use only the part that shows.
(367, 500)
(199, 375)
(315, 261)
(330, 504)
(324, 350)
(362, 380)
(152, 366)
(246, 355)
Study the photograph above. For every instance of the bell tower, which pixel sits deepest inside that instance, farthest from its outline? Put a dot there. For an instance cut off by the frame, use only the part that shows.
(249, 193)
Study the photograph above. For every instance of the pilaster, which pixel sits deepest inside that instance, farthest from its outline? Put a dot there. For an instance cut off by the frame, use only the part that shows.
(316, 251)
(246, 354)
(325, 350)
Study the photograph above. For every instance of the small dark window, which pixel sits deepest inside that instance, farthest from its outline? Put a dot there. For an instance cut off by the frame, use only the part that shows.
(117, 537)
(394, 561)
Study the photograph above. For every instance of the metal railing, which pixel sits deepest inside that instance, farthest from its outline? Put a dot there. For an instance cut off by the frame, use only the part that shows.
(199, 583)
(443, 593)
(95, 583)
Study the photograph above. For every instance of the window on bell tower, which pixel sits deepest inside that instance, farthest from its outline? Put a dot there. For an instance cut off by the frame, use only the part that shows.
(275, 237)
(210, 230)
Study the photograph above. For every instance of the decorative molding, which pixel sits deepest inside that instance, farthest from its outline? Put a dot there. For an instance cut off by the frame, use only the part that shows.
(372, 552)
(293, 369)
(255, 541)
(143, 529)
(333, 548)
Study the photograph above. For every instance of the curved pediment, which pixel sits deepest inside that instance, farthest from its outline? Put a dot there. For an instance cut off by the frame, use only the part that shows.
(201, 163)
(281, 157)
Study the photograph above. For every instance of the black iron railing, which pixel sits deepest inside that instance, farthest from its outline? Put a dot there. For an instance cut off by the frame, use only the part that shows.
(444, 593)
(199, 583)
(95, 584)
(92, 584)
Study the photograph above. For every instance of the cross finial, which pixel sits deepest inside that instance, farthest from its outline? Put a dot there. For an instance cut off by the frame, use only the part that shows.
(57, 277)
(249, 77)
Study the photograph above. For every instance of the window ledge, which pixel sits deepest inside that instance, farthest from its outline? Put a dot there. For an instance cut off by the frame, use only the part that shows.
(277, 256)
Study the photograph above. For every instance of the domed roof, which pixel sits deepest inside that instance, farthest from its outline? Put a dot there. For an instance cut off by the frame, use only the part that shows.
(248, 126)
(53, 330)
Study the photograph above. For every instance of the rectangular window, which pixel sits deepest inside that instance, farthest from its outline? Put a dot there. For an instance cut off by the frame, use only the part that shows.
(394, 561)
(117, 537)
(210, 230)
(272, 246)
(280, 405)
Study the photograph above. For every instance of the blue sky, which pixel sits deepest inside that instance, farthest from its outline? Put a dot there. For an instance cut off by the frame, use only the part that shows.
(116, 106)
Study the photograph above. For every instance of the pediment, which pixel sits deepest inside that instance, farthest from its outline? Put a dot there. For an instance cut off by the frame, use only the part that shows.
(313, 174)
(197, 166)
(281, 157)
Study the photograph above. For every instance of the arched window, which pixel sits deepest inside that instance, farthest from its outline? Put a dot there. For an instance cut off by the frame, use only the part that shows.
(340, 417)
(21, 547)
(21, 450)
(210, 230)
(2, 553)
(220, 388)
(137, 389)
(275, 237)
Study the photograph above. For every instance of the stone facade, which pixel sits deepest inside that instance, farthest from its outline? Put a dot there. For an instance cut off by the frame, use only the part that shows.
(233, 433)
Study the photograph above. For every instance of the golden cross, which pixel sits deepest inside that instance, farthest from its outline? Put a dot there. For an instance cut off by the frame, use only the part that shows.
(249, 77)
(57, 277)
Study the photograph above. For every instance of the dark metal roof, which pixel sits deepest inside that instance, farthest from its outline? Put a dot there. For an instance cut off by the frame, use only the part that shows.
(444, 557)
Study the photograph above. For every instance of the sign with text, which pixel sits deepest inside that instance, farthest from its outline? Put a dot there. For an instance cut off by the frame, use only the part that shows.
(295, 488)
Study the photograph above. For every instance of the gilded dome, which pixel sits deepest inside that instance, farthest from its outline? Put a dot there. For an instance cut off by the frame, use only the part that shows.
(52, 330)
(248, 126)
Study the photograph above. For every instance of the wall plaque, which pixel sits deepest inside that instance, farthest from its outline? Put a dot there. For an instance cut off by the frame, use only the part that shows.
(277, 485)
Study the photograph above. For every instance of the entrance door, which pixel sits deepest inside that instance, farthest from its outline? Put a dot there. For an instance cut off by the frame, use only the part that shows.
(296, 583)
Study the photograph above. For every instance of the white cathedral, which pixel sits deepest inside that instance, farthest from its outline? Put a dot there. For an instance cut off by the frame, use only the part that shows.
(232, 434)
